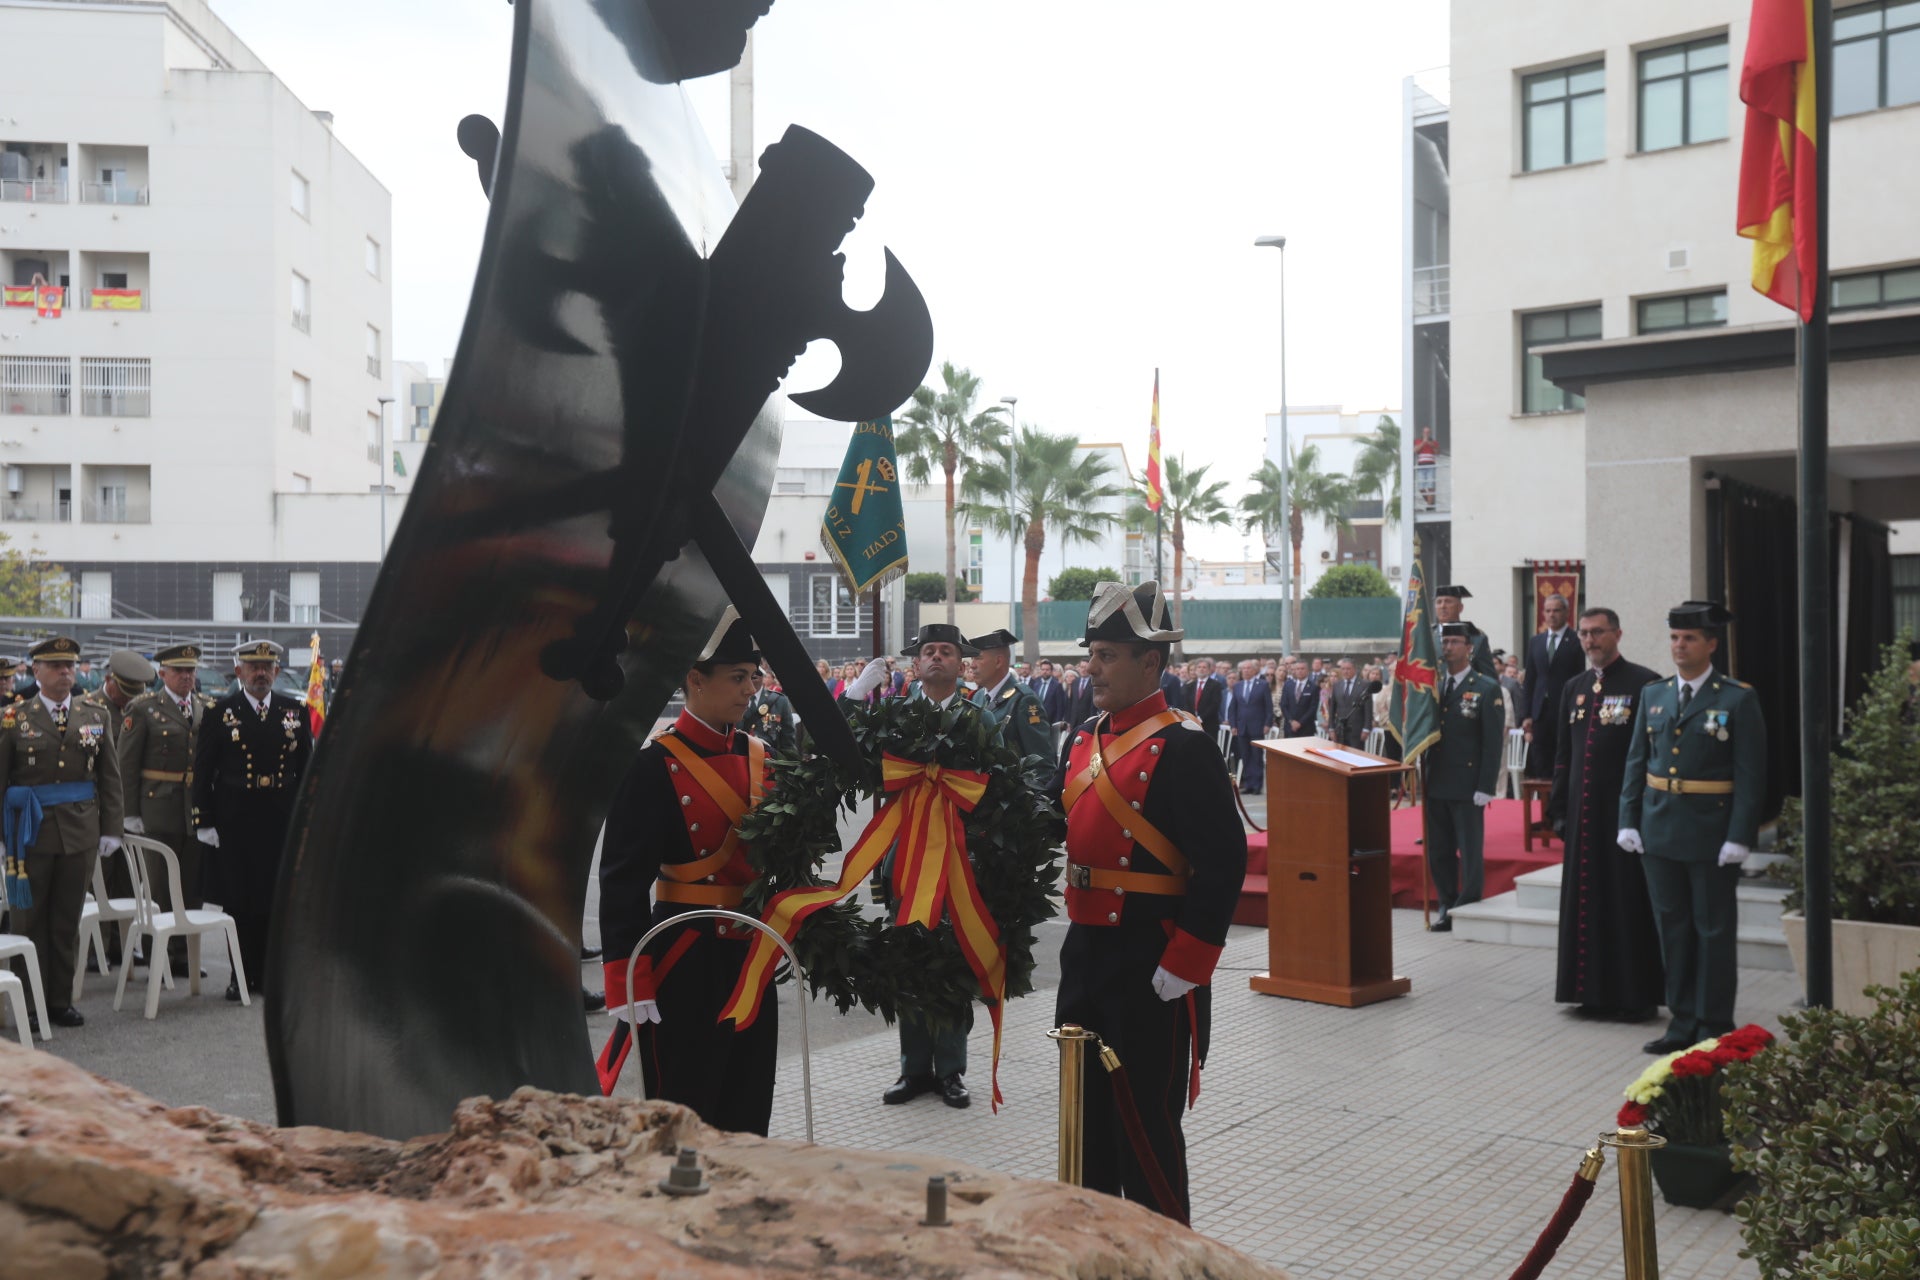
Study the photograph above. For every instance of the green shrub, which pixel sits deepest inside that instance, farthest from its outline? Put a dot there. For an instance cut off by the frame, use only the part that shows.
(930, 588)
(1876, 806)
(1352, 582)
(1828, 1122)
(1078, 584)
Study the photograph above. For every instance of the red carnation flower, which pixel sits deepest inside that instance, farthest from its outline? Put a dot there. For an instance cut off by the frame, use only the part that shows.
(1693, 1064)
(1631, 1115)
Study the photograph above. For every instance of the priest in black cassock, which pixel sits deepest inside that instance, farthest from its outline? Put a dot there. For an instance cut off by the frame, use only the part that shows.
(1609, 948)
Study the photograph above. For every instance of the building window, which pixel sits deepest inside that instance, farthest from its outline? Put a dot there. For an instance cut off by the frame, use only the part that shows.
(373, 351)
(302, 303)
(373, 437)
(96, 594)
(226, 598)
(1542, 329)
(834, 612)
(303, 597)
(1686, 311)
(373, 257)
(301, 195)
(422, 419)
(976, 558)
(302, 404)
(36, 384)
(1683, 94)
(1865, 290)
(1565, 121)
(302, 484)
(116, 387)
(1876, 56)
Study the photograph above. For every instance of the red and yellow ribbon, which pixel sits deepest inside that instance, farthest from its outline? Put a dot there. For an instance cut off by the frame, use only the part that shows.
(932, 876)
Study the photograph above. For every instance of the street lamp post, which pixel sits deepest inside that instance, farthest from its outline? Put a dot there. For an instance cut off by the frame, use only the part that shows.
(1013, 513)
(382, 444)
(1286, 492)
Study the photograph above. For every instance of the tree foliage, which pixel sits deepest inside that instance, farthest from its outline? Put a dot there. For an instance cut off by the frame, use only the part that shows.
(30, 586)
(1377, 469)
(1188, 500)
(942, 430)
(1353, 582)
(1078, 583)
(1310, 493)
(931, 588)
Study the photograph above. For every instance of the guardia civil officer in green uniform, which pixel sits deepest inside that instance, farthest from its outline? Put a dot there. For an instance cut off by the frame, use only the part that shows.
(769, 715)
(62, 788)
(1446, 608)
(1013, 705)
(128, 675)
(1461, 771)
(156, 770)
(1696, 778)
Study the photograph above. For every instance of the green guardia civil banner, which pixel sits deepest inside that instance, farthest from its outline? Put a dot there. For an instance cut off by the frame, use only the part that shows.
(1414, 716)
(864, 527)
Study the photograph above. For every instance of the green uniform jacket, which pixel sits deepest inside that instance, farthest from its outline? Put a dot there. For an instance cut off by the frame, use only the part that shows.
(1721, 738)
(1023, 725)
(157, 737)
(1473, 731)
(35, 754)
(769, 718)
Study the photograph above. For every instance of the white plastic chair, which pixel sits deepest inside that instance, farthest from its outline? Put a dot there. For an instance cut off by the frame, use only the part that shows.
(118, 912)
(1516, 761)
(15, 944)
(161, 926)
(1376, 741)
(1223, 737)
(17, 1001)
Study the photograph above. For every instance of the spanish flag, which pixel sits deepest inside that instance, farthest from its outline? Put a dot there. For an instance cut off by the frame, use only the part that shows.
(1153, 450)
(316, 689)
(1777, 172)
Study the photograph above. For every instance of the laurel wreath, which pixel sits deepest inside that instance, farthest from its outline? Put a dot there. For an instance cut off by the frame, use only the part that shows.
(853, 957)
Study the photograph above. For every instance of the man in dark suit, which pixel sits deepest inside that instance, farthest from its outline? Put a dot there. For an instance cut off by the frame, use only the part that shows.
(1052, 695)
(1207, 693)
(1299, 703)
(1553, 658)
(1352, 706)
(1249, 713)
(247, 761)
(1080, 701)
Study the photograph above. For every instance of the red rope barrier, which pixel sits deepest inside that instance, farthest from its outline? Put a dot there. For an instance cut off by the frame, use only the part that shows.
(1243, 806)
(1562, 1221)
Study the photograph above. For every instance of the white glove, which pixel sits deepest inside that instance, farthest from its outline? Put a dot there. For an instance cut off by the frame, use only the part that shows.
(1482, 798)
(1732, 855)
(109, 843)
(135, 827)
(1170, 986)
(1629, 839)
(208, 836)
(644, 1011)
(868, 680)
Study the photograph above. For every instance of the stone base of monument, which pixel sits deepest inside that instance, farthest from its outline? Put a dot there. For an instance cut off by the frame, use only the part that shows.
(97, 1180)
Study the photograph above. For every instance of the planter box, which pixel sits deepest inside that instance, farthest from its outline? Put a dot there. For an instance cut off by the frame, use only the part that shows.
(1864, 955)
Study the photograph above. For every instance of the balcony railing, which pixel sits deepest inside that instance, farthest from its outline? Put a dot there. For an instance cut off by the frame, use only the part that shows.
(116, 300)
(95, 512)
(373, 365)
(373, 453)
(844, 621)
(116, 387)
(111, 193)
(1433, 488)
(36, 385)
(303, 420)
(36, 512)
(34, 190)
(303, 321)
(1432, 290)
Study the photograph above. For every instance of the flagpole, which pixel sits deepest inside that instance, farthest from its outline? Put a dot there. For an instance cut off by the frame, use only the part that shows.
(1816, 612)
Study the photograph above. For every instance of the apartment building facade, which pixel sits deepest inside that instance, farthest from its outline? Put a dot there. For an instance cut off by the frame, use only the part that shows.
(197, 324)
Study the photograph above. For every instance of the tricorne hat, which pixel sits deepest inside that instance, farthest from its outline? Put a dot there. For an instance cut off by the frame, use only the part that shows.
(1129, 614)
(1460, 629)
(1001, 639)
(258, 651)
(940, 633)
(1698, 615)
(1457, 592)
(731, 642)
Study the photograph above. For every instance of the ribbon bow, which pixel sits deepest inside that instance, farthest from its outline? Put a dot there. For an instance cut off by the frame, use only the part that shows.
(932, 877)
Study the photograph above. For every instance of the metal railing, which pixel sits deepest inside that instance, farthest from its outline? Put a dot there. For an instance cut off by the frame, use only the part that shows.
(373, 453)
(1432, 290)
(96, 512)
(116, 387)
(36, 512)
(303, 321)
(36, 384)
(845, 621)
(111, 193)
(1433, 487)
(34, 190)
(303, 420)
(373, 365)
(116, 299)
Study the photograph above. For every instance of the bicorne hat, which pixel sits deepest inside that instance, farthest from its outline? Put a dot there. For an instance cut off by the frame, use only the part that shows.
(1129, 614)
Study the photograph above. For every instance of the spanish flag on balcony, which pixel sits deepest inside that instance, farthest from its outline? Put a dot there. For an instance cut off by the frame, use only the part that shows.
(1777, 174)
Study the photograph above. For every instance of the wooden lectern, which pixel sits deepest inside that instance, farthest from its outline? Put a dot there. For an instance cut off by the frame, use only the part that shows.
(1329, 875)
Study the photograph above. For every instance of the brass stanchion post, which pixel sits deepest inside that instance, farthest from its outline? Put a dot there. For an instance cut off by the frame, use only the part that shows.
(1073, 1065)
(1637, 1243)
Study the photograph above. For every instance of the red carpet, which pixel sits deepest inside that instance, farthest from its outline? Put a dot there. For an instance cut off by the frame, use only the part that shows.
(1506, 858)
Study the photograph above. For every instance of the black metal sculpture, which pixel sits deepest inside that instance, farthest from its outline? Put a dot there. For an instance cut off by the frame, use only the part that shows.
(583, 514)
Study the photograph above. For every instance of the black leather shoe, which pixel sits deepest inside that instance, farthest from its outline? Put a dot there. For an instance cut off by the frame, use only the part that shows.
(67, 1017)
(1442, 925)
(907, 1088)
(594, 1000)
(589, 953)
(233, 990)
(1668, 1043)
(954, 1093)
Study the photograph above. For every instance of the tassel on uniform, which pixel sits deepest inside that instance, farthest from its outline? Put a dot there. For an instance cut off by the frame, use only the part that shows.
(19, 888)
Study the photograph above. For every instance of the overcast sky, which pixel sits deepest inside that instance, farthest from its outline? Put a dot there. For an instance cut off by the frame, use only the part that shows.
(1075, 184)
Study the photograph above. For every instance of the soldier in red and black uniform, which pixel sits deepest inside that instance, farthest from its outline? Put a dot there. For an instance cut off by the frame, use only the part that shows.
(672, 846)
(1155, 860)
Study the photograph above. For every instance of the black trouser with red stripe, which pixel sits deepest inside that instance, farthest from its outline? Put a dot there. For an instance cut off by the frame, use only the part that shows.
(1106, 986)
(690, 1057)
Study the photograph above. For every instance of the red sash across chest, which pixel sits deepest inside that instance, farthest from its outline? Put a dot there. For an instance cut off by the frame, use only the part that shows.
(715, 792)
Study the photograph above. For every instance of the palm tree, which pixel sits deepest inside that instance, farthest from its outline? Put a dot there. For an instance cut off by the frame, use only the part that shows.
(942, 429)
(1320, 494)
(1187, 500)
(1377, 468)
(1055, 483)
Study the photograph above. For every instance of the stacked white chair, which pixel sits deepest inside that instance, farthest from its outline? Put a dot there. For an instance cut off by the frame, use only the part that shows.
(160, 927)
(17, 1002)
(1516, 761)
(99, 910)
(11, 945)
